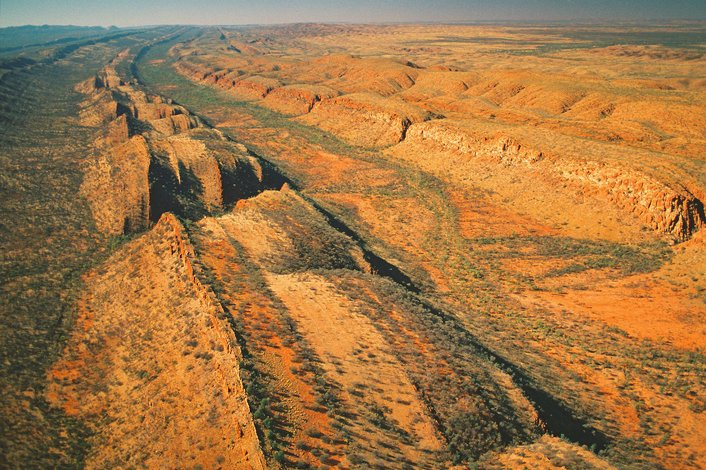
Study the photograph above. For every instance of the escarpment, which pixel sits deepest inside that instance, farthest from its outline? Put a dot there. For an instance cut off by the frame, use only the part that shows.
(664, 205)
(184, 173)
(117, 187)
(487, 283)
(465, 267)
(200, 172)
(174, 124)
(254, 87)
(156, 343)
(179, 328)
(296, 99)
(107, 77)
(446, 137)
(667, 208)
(366, 119)
(152, 156)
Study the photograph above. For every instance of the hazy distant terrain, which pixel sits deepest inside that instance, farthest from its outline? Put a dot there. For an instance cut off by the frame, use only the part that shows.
(354, 246)
(18, 37)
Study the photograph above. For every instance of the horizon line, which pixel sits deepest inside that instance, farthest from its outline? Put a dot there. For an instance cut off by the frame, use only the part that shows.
(353, 23)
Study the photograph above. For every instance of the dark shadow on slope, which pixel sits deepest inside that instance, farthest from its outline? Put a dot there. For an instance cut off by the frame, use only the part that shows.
(555, 417)
(379, 266)
(163, 187)
(242, 183)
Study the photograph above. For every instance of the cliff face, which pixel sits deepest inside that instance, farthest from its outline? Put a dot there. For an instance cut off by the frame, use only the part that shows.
(366, 119)
(105, 78)
(117, 187)
(669, 209)
(153, 156)
(296, 99)
(193, 168)
(175, 124)
(154, 356)
(664, 206)
(497, 147)
(254, 87)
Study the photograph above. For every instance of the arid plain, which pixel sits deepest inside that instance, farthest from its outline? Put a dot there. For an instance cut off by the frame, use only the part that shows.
(354, 246)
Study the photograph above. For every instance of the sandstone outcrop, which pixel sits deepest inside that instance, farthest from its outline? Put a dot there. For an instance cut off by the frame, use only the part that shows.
(199, 172)
(297, 99)
(366, 119)
(117, 187)
(174, 124)
(444, 136)
(192, 167)
(107, 77)
(667, 207)
(153, 156)
(254, 87)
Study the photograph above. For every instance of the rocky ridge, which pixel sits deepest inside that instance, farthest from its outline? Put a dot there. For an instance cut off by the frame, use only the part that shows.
(150, 332)
(666, 207)
(153, 156)
(403, 101)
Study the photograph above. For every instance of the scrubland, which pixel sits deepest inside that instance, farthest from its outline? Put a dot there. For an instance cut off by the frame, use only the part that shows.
(351, 246)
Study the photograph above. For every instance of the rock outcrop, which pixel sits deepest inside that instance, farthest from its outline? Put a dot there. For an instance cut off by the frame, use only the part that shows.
(366, 119)
(441, 135)
(200, 172)
(297, 99)
(153, 156)
(107, 77)
(117, 186)
(254, 87)
(665, 206)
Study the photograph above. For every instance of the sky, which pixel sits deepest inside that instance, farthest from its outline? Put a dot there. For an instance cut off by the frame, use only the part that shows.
(151, 12)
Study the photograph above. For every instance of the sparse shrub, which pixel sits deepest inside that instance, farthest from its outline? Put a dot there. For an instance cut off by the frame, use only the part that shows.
(301, 445)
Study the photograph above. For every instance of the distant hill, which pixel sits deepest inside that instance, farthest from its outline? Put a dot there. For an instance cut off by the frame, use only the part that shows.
(17, 37)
